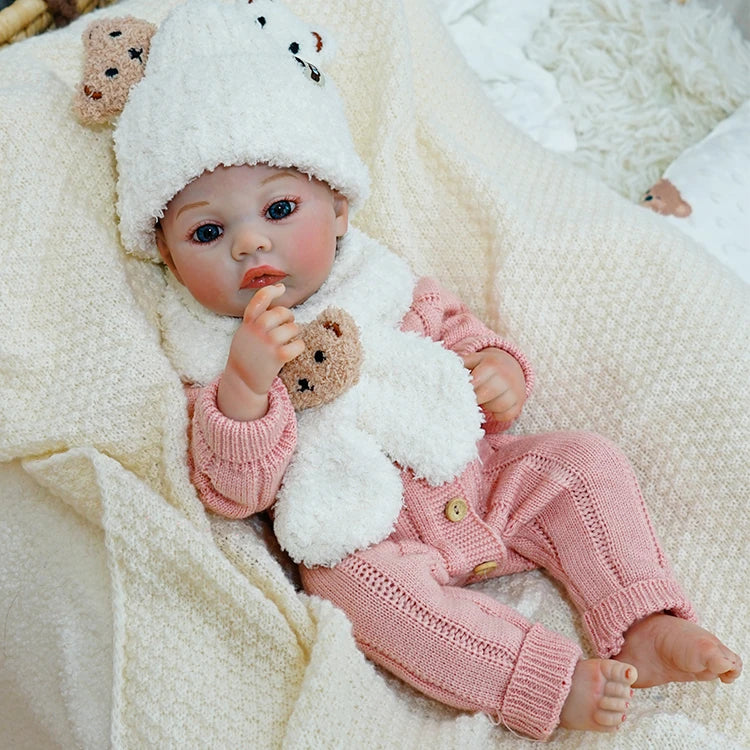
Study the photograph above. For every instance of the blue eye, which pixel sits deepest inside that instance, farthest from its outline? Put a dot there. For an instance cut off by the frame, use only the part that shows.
(280, 209)
(207, 233)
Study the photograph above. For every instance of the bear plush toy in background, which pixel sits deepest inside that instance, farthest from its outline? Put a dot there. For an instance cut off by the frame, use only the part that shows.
(665, 199)
(703, 192)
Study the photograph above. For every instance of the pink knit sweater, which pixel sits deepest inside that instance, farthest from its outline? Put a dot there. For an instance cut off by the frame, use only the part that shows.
(566, 501)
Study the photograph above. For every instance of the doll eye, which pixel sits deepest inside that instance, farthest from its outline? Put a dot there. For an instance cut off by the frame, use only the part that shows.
(280, 209)
(207, 233)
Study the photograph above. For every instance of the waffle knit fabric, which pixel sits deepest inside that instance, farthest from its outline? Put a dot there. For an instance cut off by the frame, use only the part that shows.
(131, 619)
(566, 501)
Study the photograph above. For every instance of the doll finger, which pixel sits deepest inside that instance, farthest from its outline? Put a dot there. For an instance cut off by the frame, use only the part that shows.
(291, 350)
(471, 360)
(275, 317)
(491, 399)
(286, 333)
(504, 408)
(495, 394)
(261, 301)
(487, 383)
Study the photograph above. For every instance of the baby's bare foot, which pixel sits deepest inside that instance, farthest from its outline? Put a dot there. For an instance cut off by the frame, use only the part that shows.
(599, 697)
(665, 649)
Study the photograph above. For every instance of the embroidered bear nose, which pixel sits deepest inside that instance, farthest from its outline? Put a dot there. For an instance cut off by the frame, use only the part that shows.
(304, 385)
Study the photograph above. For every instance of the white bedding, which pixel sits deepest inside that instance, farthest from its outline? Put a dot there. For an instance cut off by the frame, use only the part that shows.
(130, 619)
(493, 36)
(632, 92)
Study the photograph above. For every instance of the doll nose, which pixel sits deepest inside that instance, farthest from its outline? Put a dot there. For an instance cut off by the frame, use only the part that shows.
(248, 241)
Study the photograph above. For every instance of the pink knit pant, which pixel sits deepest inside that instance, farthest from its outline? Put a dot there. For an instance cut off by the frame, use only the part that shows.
(566, 502)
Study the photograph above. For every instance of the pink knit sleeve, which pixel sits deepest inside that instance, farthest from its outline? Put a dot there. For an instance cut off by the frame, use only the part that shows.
(441, 315)
(237, 467)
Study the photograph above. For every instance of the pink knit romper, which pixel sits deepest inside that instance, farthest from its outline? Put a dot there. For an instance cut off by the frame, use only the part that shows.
(567, 502)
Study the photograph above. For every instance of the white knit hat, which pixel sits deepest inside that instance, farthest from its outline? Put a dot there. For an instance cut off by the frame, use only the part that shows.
(227, 83)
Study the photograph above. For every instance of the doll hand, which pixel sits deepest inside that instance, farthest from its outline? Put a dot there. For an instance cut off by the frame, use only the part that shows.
(265, 341)
(499, 383)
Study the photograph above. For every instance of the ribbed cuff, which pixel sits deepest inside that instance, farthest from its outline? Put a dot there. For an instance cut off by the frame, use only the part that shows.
(540, 683)
(608, 621)
(520, 357)
(241, 442)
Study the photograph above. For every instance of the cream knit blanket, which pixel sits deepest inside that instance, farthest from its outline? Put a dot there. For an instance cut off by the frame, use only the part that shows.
(128, 619)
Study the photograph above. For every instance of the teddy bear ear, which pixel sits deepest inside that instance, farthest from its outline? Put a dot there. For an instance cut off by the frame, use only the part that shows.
(683, 209)
(334, 327)
(115, 51)
(339, 323)
(324, 45)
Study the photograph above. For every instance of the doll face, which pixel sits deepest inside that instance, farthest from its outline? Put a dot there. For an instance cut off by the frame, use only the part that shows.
(237, 229)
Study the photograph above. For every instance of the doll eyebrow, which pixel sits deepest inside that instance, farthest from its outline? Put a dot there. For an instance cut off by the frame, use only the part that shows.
(191, 205)
(279, 175)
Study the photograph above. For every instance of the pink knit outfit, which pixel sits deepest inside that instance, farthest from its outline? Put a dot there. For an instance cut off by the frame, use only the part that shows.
(567, 502)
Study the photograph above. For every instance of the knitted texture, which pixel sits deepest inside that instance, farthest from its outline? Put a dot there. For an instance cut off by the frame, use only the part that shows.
(565, 501)
(574, 517)
(240, 484)
(131, 621)
(341, 489)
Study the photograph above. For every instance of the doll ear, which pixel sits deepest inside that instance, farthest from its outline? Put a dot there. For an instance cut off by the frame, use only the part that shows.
(115, 51)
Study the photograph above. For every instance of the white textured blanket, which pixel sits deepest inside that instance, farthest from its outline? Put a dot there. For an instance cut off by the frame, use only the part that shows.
(128, 619)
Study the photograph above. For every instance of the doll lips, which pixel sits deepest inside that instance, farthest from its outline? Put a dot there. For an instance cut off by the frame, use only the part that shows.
(257, 278)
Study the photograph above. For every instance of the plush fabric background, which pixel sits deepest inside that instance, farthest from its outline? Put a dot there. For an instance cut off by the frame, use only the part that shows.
(641, 81)
(627, 90)
(129, 619)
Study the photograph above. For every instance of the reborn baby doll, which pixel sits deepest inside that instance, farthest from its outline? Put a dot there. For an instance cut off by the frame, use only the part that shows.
(395, 485)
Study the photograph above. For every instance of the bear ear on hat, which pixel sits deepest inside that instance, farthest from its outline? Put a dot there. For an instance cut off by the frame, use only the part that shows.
(115, 51)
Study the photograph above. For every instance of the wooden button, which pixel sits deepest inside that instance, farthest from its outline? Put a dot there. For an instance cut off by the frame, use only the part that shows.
(484, 568)
(456, 509)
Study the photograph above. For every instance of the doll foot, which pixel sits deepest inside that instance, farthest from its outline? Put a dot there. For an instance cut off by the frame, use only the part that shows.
(664, 648)
(599, 698)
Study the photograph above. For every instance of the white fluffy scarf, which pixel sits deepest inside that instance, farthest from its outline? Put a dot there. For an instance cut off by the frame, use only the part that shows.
(342, 491)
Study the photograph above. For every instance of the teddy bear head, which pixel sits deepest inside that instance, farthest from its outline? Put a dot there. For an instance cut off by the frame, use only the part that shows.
(664, 198)
(330, 363)
(115, 54)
